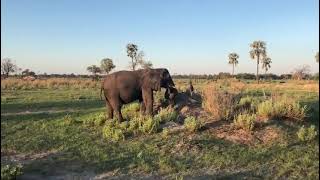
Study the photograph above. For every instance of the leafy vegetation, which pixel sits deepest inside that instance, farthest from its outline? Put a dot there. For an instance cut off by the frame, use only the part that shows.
(9, 172)
(192, 124)
(70, 123)
(282, 108)
(307, 134)
(245, 121)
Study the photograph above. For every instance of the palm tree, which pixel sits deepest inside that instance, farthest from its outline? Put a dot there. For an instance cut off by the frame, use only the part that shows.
(317, 57)
(266, 61)
(258, 51)
(233, 59)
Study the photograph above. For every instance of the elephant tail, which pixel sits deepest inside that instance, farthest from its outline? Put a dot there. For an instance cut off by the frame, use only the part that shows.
(101, 89)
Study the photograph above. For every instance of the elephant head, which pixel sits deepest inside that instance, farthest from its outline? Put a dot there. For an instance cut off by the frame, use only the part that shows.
(157, 79)
(170, 94)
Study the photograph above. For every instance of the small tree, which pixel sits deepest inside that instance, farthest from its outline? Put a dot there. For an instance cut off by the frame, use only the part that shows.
(107, 65)
(7, 67)
(317, 57)
(27, 72)
(233, 59)
(132, 51)
(266, 65)
(147, 65)
(94, 70)
(258, 51)
(301, 72)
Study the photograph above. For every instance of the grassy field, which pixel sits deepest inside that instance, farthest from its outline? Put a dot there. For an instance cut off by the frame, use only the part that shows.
(46, 130)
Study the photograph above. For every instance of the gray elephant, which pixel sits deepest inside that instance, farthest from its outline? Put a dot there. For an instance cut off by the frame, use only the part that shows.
(127, 86)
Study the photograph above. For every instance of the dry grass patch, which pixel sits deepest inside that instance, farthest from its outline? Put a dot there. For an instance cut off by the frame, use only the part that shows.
(221, 104)
(55, 83)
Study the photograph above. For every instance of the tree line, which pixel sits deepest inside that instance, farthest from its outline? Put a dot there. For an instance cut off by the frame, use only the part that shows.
(258, 52)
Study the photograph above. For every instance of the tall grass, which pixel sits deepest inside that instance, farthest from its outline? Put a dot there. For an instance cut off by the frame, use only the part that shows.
(51, 83)
(220, 103)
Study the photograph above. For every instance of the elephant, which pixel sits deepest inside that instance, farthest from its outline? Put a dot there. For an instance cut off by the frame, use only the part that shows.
(124, 87)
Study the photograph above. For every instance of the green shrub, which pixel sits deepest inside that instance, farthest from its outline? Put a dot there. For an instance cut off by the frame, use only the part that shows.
(96, 120)
(165, 133)
(9, 172)
(248, 103)
(134, 125)
(245, 121)
(159, 97)
(192, 124)
(131, 110)
(166, 115)
(150, 125)
(265, 109)
(307, 134)
(282, 108)
(112, 131)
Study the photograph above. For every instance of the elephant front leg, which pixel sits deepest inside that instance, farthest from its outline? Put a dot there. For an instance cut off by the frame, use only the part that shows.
(148, 101)
(142, 108)
(119, 115)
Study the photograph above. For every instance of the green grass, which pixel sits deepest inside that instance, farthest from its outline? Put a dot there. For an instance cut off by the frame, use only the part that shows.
(77, 139)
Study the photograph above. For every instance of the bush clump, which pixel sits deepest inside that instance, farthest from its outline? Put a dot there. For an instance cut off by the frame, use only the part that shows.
(165, 133)
(307, 134)
(113, 131)
(166, 115)
(248, 103)
(9, 172)
(159, 97)
(245, 121)
(131, 110)
(192, 124)
(150, 125)
(96, 120)
(282, 108)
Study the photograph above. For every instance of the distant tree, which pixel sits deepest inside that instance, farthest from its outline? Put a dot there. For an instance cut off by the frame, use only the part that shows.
(107, 65)
(266, 64)
(233, 59)
(146, 64)
(317, 57)
(301, 72)
(7, 67)
(94, 70)
(132, 52)
(224, 75)
(27, 72)
(258, 51)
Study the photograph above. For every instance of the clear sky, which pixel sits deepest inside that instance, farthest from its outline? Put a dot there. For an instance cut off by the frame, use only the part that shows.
(185, 36)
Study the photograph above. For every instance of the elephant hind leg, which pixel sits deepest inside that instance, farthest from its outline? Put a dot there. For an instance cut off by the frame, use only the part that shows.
(117, 110)
(116, 106)
(109, 110)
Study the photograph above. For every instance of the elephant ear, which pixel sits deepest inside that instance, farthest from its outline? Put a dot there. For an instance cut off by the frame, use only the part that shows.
(152, 80)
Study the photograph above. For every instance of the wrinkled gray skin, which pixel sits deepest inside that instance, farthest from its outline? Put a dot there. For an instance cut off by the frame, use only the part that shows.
(127, 86)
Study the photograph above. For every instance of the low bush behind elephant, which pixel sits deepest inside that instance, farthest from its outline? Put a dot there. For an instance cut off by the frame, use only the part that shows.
(124, 87)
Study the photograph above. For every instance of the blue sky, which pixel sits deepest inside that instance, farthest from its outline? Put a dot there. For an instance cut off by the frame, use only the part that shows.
(185, 36)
